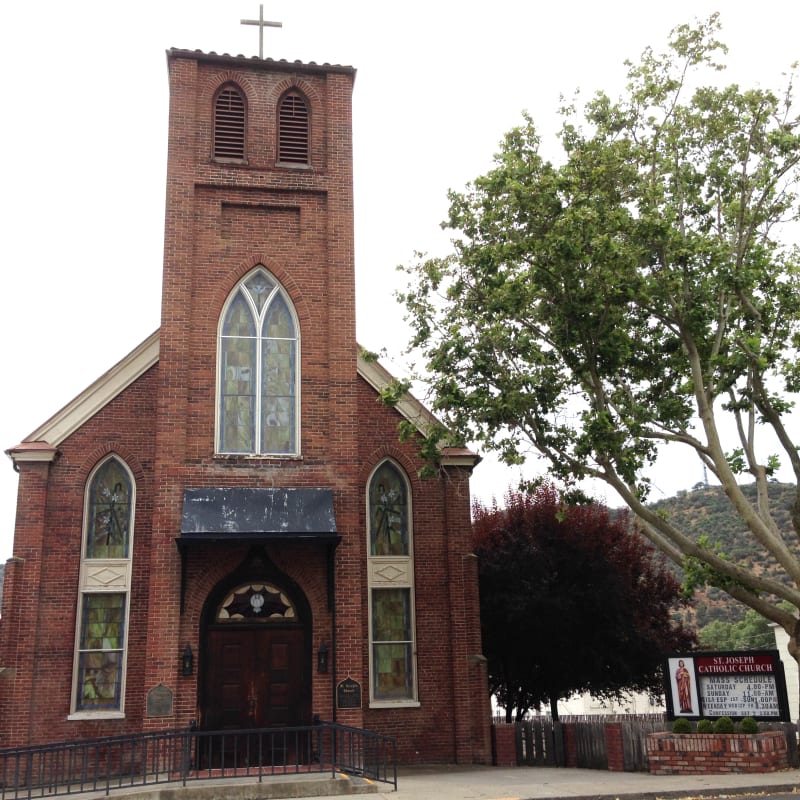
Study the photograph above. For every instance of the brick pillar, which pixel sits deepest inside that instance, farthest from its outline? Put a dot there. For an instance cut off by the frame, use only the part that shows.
(470, 691)
(8, 650)
(614, 747)
(19, 646)
(504, 745)
(570, 745)
(477, 666)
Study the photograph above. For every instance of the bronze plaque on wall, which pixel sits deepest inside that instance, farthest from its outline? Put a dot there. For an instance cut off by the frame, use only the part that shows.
(348, 694)
(159, 701)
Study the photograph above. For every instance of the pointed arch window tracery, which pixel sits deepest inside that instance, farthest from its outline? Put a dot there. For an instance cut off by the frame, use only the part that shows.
(258, 370)
(392, 628)
(103, 612)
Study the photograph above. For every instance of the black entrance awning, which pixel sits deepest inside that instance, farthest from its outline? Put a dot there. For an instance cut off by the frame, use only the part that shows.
(253, 514)
(233, 516)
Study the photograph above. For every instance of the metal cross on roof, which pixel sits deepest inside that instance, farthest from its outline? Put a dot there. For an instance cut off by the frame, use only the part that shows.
(262, 23)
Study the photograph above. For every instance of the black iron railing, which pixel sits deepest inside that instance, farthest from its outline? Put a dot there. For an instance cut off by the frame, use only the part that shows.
(183, 755)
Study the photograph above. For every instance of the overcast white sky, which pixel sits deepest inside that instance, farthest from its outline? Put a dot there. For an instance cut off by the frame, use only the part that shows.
(83, 135)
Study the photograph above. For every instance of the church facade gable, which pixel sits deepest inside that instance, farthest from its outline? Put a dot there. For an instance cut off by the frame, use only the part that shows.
(232, 498)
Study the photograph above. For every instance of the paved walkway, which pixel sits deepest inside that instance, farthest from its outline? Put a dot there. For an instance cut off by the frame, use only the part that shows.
(532, 783)
(472, 783)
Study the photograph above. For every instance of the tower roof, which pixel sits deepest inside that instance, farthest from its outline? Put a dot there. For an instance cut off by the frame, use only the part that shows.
(266, 64)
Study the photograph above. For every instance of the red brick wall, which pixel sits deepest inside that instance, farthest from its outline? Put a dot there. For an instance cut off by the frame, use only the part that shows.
(615, 751)
(701, 754)
(41, 594)
(222, 220)
(504, 745)
(570, 745)
(452, 722)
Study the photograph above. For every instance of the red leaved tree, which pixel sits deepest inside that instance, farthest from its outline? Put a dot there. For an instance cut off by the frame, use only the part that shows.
(572, 600)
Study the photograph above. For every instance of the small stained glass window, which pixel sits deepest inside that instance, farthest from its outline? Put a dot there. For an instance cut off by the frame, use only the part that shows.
(388, 512)
(101, 650)
(109, 512)
(392, 660)
(258, 370)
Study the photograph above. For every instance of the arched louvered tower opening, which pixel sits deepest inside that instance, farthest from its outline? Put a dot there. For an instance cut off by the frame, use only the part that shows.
(293, 129)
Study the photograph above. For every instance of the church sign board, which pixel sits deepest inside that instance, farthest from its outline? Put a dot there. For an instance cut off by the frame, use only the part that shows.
(732, 684)
(159, 701)
(348, 694)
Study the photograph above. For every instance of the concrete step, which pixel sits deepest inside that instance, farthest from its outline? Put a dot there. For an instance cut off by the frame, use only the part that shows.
(273, 787)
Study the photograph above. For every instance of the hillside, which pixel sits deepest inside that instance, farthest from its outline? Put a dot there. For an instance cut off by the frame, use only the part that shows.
(706, 510)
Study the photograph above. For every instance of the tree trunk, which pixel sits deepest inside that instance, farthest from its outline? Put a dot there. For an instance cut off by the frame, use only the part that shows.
(793, 646)
(554, 709)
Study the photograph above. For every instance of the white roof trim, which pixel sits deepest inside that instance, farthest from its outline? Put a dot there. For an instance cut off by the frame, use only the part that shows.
(78, 411)
(379, 378)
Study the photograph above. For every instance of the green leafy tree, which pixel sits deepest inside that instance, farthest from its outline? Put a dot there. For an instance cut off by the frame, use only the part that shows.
(751, 633)
(638, 293)
(571, 601)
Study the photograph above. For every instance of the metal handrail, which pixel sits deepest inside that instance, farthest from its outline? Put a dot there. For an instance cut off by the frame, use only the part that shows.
(185, 754)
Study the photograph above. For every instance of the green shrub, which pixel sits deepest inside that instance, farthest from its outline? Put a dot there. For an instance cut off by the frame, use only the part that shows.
(748, 725)
(704, 726)
(723, 725)
(681, 725)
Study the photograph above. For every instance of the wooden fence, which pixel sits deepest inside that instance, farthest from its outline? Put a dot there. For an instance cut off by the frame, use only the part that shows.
(539, 743)
(583, 741)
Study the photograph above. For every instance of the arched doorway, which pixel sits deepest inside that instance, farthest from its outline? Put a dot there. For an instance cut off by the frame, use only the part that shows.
(255, 657)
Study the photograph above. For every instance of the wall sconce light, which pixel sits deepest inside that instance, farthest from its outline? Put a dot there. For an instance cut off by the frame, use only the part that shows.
(187, 660)
(322, 658)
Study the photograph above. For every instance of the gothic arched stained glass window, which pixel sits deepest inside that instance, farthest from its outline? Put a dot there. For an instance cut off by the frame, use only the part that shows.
(388, 512)
(258, 376)
(390, 571)
(109, 512)
(104, 592)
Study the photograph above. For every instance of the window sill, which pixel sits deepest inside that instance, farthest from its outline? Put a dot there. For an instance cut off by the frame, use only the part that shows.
(292, 165)
(249, 458)
(78, 715)
(395, 704)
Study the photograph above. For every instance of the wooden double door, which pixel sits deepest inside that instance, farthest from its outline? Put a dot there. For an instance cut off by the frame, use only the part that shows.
(255, 677)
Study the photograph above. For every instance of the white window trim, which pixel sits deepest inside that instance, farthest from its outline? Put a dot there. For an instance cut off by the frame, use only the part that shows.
(279, 289)
(392, 572)
(116, 580)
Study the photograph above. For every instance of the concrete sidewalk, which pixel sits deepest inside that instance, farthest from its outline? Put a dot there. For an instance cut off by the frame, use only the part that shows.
(532, 783)
(441, 782)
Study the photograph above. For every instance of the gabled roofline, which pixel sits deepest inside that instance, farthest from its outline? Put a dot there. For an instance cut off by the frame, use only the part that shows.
(92, 399)
(380, 378)
(41, 444)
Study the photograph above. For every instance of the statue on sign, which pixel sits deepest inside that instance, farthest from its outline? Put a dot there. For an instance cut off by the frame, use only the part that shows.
(683, 679)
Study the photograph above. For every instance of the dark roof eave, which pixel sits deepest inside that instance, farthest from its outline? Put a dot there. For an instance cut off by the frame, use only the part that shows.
(254, 62)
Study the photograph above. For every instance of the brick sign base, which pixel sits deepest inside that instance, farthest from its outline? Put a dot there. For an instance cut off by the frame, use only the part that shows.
(715, 753)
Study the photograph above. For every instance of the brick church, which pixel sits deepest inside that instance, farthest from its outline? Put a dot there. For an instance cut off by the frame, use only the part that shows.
(227, 520)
